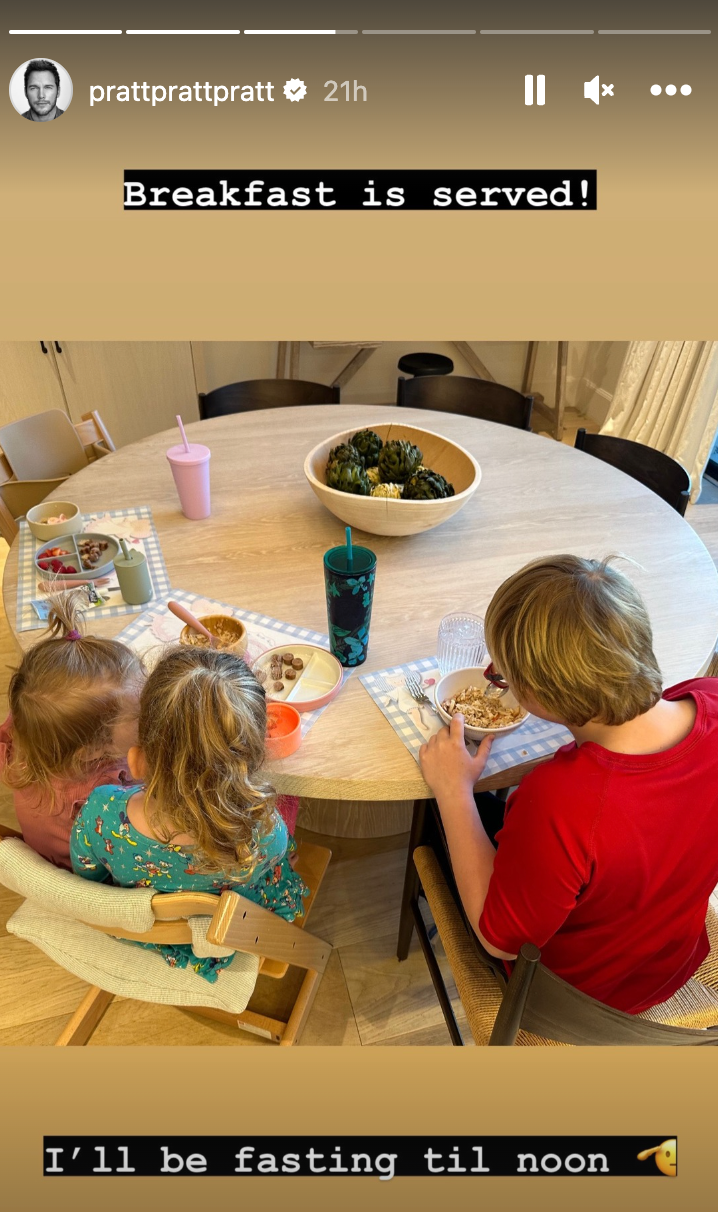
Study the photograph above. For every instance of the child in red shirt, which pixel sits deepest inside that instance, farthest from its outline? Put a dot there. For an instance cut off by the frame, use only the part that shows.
(609, 852)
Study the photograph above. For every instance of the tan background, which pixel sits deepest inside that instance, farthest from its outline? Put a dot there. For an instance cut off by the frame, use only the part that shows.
(392, 1091)
(641, 265)
(644, 265)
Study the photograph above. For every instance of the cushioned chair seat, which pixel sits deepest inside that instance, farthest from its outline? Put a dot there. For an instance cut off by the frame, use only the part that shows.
(60, 891)
(54, 918)
(127, 970)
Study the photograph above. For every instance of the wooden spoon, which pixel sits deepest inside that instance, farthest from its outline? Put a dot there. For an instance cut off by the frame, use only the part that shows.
(181, 612)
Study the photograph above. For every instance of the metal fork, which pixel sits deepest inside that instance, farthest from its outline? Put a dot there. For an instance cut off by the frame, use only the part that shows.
(413, 685)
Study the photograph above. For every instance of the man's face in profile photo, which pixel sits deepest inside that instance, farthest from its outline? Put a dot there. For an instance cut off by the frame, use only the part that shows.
(42, 86)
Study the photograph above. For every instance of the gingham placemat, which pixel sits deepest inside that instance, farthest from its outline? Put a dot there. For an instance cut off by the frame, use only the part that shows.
(151, 632)
(103, 522)
(414, 724)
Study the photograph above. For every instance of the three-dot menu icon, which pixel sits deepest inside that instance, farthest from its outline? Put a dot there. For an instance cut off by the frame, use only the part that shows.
(671, 90)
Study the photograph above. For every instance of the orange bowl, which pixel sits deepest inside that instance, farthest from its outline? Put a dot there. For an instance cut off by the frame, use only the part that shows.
(284, 730)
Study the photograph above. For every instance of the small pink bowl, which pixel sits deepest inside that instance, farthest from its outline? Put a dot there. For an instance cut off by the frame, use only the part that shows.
(286, 734)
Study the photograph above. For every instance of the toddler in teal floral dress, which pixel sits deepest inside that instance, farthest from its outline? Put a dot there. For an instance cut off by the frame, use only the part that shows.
(202, 819)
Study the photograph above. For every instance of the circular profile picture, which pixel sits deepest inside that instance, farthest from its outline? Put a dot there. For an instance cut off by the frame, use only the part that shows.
(41, 90)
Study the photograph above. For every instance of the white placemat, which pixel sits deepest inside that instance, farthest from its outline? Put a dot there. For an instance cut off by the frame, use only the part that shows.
(135, 525)
(414, 724)
(156, 628)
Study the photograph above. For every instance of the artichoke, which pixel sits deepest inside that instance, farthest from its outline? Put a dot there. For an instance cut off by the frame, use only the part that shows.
(373, 474)
(427, 485)
(343, 454)
(368, 444)
(398, 461)
(387, 490)
(348, 477)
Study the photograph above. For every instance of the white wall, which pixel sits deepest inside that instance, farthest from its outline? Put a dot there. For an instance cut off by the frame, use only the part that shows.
(593, 367)
(374, 383)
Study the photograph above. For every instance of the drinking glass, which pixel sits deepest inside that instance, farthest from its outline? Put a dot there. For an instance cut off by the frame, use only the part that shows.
(461, 642)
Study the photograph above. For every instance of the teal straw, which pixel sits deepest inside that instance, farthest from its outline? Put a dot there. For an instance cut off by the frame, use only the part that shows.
(350, 554)
(125, 550)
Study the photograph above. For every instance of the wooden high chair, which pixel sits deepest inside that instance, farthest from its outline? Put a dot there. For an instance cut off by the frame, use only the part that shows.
(236, 923)
(20, 487)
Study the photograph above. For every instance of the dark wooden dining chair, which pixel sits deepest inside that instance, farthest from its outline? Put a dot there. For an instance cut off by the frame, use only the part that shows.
(478, 398)
(534, 1006)
(658, 471)
(264, 393)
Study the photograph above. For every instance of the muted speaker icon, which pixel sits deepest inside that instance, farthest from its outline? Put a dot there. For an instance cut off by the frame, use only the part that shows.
(593, 90)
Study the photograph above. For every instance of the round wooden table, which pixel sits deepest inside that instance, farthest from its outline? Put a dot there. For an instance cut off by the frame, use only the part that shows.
(262, 550)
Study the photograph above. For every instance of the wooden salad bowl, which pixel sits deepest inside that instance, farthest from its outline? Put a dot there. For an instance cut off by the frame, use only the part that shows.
(384, 515)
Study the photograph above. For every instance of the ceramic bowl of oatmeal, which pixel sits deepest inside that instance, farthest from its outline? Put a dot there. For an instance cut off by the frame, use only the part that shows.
(231, 635)
(463, 692)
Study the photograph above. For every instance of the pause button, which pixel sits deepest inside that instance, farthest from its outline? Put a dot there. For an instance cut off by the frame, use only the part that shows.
(529, 90)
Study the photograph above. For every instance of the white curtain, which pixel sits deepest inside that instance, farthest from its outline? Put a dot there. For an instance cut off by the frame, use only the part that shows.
(667, 397)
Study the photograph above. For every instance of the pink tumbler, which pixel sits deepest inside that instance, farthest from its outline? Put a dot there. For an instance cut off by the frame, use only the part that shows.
(190, 468)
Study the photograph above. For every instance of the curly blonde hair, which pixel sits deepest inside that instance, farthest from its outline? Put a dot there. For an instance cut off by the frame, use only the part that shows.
(66, 698)
(574, 633)
(203, 718)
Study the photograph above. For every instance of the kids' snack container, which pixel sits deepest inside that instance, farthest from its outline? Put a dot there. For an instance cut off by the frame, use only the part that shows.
(190, 469)
(134, 577)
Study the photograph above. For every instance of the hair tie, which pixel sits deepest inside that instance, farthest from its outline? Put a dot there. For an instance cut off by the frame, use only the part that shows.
(73, 635)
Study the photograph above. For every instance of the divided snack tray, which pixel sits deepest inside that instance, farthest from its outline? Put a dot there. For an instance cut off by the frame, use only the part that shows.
(70, 545)
(313, 686)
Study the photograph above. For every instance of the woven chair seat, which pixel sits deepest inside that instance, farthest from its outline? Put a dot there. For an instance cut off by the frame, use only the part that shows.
(478, 988)
(695, 1004)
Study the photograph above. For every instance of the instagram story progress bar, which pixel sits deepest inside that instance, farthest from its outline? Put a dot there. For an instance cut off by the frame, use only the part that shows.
(300, 32)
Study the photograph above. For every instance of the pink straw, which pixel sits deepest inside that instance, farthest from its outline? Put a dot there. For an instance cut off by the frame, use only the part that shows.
(184, 435)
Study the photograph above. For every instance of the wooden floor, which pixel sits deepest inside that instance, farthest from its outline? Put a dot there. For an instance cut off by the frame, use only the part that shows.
(366, 997)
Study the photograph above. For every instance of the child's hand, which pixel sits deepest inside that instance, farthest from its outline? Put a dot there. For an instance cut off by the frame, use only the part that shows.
(446, 763)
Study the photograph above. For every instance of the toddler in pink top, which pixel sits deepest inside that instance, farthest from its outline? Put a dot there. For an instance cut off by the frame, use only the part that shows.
(73, 716)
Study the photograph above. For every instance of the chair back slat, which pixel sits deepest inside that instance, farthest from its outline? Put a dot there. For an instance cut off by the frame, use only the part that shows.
(509, 1019)
(242, 924)
(653, 468)
(92, 431)
(264, 393)
(43, 447)
(557, 1011)
(479, 398)
(169, 906)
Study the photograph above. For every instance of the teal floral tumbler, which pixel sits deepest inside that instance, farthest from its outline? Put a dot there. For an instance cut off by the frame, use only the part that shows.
(350, 592)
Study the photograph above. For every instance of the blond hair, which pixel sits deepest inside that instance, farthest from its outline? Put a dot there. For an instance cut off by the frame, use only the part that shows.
(66, 698)
(203, 718)
(575, 634)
